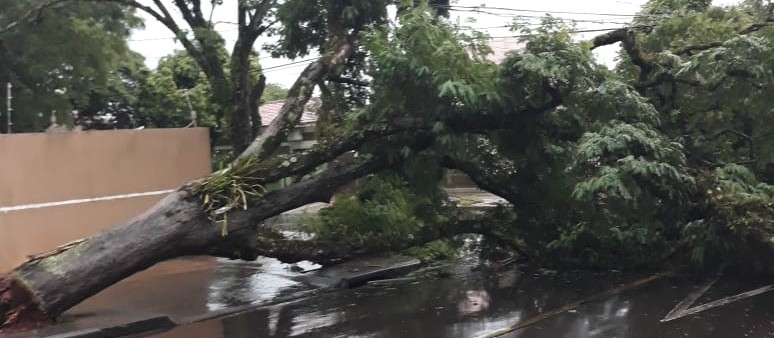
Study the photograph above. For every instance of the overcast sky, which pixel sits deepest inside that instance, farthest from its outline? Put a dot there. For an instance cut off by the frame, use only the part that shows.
(155, 41)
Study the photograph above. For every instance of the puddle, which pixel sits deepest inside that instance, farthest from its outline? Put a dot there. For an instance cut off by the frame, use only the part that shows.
(572, 304)
(474, 305)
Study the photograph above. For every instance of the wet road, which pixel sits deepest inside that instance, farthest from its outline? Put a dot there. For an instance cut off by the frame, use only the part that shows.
(476, 304)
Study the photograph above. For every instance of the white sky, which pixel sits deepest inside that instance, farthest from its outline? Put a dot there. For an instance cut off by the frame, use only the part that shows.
(155, 41)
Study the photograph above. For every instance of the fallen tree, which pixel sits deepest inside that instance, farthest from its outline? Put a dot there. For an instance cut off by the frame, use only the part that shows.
(596, 165)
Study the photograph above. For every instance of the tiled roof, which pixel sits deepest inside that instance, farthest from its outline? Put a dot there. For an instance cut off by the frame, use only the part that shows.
(271, 109)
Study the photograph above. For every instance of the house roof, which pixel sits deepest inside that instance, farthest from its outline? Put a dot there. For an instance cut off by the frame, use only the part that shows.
(270, 110)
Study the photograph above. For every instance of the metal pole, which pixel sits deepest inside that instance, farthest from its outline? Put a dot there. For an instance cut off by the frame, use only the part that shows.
(9, 108)
(190, 108)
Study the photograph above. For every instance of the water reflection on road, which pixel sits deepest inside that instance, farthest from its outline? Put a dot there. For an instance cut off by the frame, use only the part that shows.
(464, 306)
(472, 305)
(236, 283)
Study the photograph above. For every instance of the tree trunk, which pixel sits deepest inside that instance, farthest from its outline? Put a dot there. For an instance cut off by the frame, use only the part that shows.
(65, 277)
(253, 104)
(38, 291)
(241, 121)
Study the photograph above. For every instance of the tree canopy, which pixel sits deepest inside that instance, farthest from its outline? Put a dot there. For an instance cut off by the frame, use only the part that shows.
(664, 160)
(63, 60)
(166, 92)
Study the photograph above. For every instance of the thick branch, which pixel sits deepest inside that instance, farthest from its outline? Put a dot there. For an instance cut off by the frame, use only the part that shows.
(197, 10)
(258, 241)
(626, 36)
(257, 26)
(246, 122)
(609, 38)
(193, 16)
(35, 12)
(298, 95)
(266, 242)
(327, 150)
(662, 78)
(205, 55)
(163, 16)
(243, 224)
(253, 99)
(704, 46)
(483, 122)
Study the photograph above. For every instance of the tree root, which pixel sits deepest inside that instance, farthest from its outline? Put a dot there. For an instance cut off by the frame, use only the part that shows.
(18, 310)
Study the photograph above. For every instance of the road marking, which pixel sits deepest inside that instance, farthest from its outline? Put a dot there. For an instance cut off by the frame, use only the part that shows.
(82, 201)
(572, 306)
(684, 304)
(685, 311)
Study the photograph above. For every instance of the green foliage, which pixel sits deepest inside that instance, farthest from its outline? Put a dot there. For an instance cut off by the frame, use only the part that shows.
(385, 209)
(601, 168)
(435, 251)
(382, 211)
(550, 60)
(738, 219)
(64, 60)
(744, 204)
(115, 104)
(305, 24)
(703, 110)
(640, 168)
(166, 92)
(274, 92)
(177, 80)
(423, 65)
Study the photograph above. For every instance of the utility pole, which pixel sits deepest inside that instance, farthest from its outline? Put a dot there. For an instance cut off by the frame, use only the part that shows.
(9, 108)
(190, 108)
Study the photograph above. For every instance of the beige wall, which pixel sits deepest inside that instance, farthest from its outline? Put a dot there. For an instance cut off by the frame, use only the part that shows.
(45, 168)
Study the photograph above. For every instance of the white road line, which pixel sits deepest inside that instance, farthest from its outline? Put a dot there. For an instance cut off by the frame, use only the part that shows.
(682, 309)
(686, 303)
(724, 301)
(82, 201)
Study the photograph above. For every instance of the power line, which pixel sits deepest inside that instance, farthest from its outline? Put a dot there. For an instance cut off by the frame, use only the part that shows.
(570, 31)
(175, 38)
(296, 63)
(480, 8)
(307, 61)
(503, 26)
(475, 9)
(540, 24)
(303, 62)
(151, 39)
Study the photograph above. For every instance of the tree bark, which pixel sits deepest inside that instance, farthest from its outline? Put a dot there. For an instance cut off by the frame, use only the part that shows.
(245, 122)
(241, 118)
(253, 104)
(38, 291)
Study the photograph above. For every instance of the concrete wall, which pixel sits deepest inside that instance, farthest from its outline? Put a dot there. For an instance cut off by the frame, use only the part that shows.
(48, 182)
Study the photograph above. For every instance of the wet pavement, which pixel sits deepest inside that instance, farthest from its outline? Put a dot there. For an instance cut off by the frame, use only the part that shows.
(216, 298)
(189, 290)
(208, 298)
(479, 304)
(183, 291)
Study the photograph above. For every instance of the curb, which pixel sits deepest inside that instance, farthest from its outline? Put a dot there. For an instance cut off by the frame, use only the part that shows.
(121, 330)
